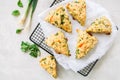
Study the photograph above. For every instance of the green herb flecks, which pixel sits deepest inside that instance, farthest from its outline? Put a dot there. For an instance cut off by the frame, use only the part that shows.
(56, 34)
(32, 49)
(19, 3)
(16, 13)
(77, 51)
(62, 19)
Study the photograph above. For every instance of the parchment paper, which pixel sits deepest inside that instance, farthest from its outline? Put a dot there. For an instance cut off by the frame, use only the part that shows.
(104, 41)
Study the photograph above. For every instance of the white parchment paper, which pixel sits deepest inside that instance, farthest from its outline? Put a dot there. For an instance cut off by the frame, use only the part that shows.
(104, 41)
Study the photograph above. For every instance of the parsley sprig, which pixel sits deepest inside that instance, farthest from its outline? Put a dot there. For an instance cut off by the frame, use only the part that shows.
(32, 49)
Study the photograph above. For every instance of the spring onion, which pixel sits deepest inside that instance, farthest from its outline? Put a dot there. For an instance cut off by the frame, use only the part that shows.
(33, 5)
(26, 12)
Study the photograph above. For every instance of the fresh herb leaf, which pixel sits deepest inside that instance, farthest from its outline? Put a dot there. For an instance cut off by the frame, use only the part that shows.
(34, 50)
(18, 31)
(16, 13)
(25, 46)
(20, 3)
(33, 54)
(31, 48)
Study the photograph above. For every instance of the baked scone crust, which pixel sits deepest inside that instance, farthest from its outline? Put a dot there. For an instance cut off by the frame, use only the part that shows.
(100, 25)
(85, 43)
(78, 10)
(59, 43)
(60, 19)
(49, 64)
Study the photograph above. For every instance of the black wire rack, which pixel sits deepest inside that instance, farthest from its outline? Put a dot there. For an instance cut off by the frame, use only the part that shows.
(38, 38)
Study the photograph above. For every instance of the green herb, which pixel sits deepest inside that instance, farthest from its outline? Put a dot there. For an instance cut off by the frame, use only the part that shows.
(77, 51)
(56, 34)
(31, 48)
(18, 31)
(56, 22)
(76, 2)
(52, 58)
(19, 3)
(63, 9)
(43, 59)
(68, 51)
(62, 19)
(25, 46)
(56, 13)
(99, 29)
(51, 67)
(16, 13)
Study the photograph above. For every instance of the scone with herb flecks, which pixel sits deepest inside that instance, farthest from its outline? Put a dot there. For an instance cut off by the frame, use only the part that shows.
(59, 43)
(49, 64)
(60, 19)
(85, 43)
(77, 9)
(100, 25)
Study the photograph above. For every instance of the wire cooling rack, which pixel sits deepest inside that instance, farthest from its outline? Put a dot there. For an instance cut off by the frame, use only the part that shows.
(38, 37)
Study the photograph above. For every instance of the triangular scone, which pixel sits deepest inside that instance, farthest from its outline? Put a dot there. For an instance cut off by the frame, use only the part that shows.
(100, 25)
(59, 43)
(49, 64)
(78, 10)
(60, 19)
(85, 43)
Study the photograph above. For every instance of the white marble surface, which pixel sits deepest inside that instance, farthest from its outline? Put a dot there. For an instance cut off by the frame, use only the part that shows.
(15, 65)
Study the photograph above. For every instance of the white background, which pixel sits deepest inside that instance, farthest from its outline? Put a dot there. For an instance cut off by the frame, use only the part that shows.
(15, 65)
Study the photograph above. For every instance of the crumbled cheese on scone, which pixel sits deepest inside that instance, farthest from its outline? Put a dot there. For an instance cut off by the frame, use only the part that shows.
(85, 43)
(100, 25)
(49, 64)
(60, 19)
(78, 10)
(59, 43)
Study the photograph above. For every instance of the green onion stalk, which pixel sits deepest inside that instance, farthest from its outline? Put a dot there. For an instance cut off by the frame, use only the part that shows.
(33, 5)
(26, 12)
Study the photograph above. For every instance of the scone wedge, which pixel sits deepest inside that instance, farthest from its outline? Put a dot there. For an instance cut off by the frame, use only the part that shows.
(85, 43)
(49, 64)
(77, 9)
(100, 25)
(60, 19)
(58, 42)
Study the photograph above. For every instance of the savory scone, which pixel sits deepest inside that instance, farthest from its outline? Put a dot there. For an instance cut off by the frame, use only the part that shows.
(77, 9)
(100, 25)
(60, 19)
(85, 43)
(59, 43)
(49, 64)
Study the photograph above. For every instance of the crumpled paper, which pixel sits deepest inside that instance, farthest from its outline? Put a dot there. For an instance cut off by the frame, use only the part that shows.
(104, 41)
